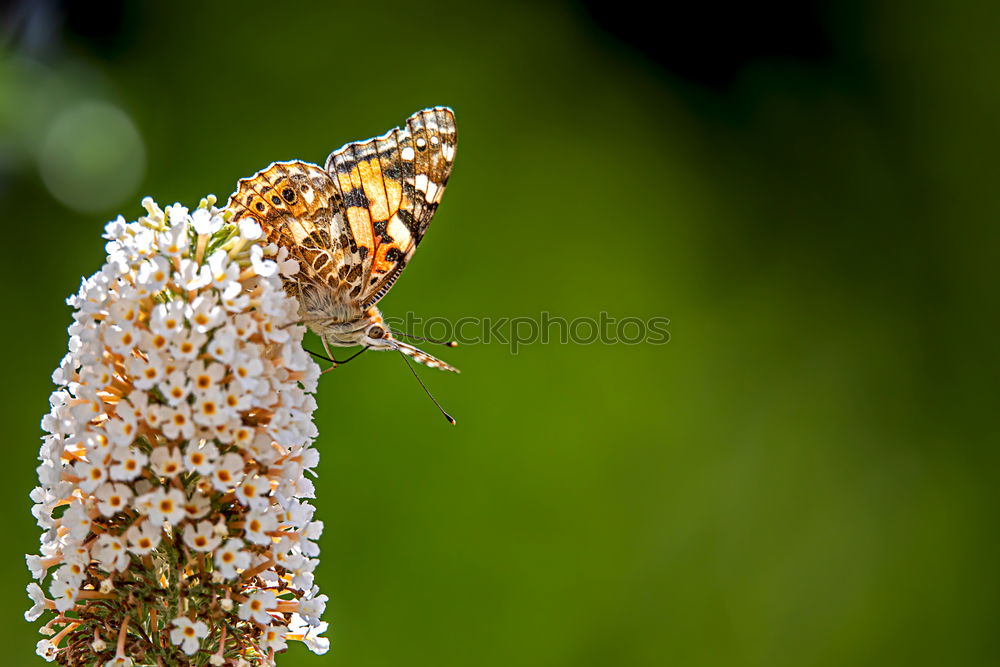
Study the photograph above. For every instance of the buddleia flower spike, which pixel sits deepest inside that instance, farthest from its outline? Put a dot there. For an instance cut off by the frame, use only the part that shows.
(172, 497)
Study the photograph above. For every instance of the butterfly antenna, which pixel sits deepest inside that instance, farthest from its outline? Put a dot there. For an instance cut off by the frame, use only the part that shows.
(446, 343)
(451, 420)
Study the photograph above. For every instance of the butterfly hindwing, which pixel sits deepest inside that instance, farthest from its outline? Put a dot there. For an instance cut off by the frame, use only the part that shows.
(390, 187)
(299, 209)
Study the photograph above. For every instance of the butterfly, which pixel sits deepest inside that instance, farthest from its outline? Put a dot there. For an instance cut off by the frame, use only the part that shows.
(354, 224)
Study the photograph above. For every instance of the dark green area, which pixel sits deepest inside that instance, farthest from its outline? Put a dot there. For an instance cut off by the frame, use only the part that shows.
(804, 475)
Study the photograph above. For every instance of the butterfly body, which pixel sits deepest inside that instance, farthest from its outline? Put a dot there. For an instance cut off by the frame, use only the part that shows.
(354, 224)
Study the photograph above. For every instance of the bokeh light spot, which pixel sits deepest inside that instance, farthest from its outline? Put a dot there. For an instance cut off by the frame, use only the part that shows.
(92, 157)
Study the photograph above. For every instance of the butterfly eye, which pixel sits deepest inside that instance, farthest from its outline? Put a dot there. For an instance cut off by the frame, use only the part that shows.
(376, 332)
(260, 207)
(288, 195)
(276, 199)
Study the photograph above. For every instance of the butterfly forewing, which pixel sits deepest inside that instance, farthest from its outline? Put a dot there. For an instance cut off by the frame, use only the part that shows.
(390, 187)
(299, 208)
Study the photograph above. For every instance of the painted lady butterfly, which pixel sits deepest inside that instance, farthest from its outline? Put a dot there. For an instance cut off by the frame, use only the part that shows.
(354, 224)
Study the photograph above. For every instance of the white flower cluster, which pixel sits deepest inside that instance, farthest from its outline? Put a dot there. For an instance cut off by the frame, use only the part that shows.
(172, 479)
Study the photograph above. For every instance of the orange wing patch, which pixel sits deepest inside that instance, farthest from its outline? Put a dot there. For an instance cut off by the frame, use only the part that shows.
(373, 184)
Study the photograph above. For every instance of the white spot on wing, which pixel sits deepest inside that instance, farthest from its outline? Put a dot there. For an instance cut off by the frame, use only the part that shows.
(398, 231)
(337, 226)
(433, 191)
(298, 230)
(420, 183)
(407, 153)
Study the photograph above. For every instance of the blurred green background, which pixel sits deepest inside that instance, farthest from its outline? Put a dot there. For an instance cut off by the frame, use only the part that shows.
(804, 475)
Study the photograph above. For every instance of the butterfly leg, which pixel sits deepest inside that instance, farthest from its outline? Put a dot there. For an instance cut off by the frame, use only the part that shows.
(326, 348)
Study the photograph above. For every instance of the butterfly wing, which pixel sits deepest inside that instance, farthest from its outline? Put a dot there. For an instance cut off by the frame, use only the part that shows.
(299, 207)
(390, 187)
(355, 225)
